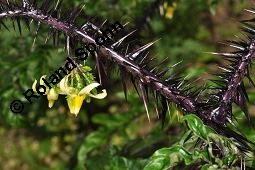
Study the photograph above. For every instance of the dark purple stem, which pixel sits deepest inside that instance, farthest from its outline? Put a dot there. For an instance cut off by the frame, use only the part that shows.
(239, 74)
(221, 114)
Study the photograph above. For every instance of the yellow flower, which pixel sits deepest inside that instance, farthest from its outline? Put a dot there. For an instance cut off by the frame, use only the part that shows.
(41, 83)
(73, 88)
(75, 97)
(170, 10)
(52, 95)
(75, 103)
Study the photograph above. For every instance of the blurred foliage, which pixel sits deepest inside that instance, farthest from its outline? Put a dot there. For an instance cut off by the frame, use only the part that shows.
(207, 156)
(113, 134)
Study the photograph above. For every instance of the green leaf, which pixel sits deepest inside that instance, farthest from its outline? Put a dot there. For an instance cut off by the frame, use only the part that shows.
(197, 126)
(230, 159)
(14, 120)
(91, 142)
(111, 160)
(111, 121)
(168, 157)
(209, 167)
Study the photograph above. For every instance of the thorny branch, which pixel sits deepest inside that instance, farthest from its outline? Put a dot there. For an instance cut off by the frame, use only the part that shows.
(214, 114)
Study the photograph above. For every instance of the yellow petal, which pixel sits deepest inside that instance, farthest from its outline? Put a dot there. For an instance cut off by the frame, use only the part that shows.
(100, 95)
(64, 88)
(51, 103)
(88, 88)
(41, 81)
(75, 103)
(52, 95)
(62, 85)
(34, 86)
(170, 12)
